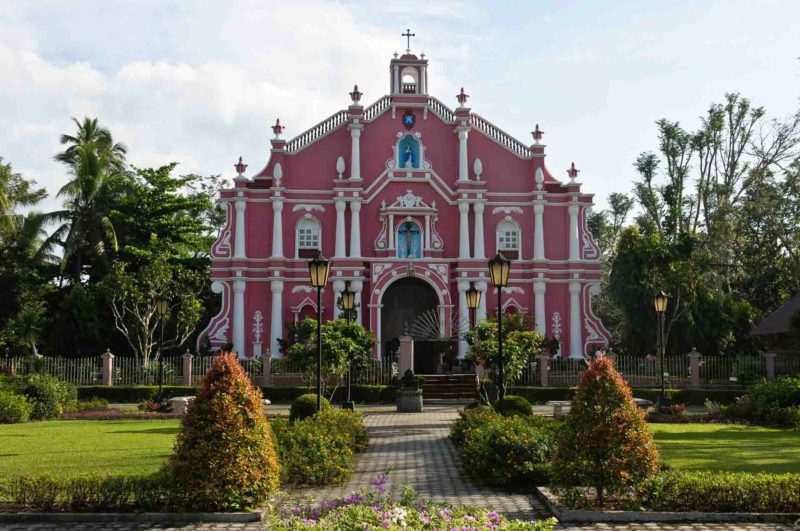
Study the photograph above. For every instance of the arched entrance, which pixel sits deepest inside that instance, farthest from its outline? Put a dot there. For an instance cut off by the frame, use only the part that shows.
(402, 302)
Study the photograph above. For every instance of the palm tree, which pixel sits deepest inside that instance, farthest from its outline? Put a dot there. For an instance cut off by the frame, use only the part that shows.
(27, 326)
(15, 191)
(85, 230)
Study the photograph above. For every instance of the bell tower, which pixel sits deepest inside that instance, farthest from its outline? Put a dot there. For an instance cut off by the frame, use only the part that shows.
(408, 74)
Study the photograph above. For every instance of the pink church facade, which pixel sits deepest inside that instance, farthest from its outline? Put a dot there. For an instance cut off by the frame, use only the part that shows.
(404, 192)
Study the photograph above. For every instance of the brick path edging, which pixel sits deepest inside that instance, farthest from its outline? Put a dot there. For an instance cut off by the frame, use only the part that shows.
(582, 516)
(134, 518)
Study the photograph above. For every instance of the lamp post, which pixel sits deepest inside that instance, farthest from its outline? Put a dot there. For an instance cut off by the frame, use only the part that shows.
(318, 270)
(348, 303)
(162, 306)
(660, 304)
(499, 268)
(473, 301)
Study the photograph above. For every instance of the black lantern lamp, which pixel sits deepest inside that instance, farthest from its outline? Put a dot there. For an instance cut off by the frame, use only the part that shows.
(473, 301)
(318, 270)
(348, 306)
(660, 304)
(162, 307)
(499, 269)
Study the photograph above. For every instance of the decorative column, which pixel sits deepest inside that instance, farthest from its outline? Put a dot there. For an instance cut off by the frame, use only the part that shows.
(340, 251)
(480, 313)
(357, 286)
(463, 170)
(277, 227)
(238, 316)
(355, 229)
(391, 231)
(575, 347)
(338, 288)
(108, 368)
(538, 230)
(239, 243)
(276, 318)
(574, 254)
(187, 360)
(463, 317)
(539, 289)
(478, 251)
(694, 367)
(463, 233)
(355, 151)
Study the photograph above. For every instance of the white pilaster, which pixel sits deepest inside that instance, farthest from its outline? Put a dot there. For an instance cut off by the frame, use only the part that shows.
(480, 313)
(463, 233)
(391, 231)
(355, 229)
(538, 230)
(575, 346)
(276, 317)
(463, 170)
(338, 288)
(355, 151)
(239, 243)
(277, 227)
(574, 254)
(238, 316)
(478, 251)
(463, 318)
(539, 289)
(357, 286)
(340, 251)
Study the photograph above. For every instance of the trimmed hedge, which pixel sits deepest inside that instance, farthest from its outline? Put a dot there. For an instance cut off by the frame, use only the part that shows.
(305, 406)
(369, 394)
(541, 395)
(721, 492)
(132, 394)
(514, 405)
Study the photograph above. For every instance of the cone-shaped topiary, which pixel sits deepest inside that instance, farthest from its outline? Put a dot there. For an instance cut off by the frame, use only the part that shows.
(224, 454)
(605, 442)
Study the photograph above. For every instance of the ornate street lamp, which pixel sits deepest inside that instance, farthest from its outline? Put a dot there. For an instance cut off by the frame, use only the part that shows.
(318, 270)
(473, 301)
(499, 268)
(660, 304)
(348, 304)
(162, 307)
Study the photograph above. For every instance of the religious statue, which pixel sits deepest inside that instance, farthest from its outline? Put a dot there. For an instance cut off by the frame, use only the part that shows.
(409, 155)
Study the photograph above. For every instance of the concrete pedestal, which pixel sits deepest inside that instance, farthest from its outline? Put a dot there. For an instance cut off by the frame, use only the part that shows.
(409, 400)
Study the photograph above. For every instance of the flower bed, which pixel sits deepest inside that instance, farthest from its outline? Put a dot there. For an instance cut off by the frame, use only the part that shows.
(373, 508)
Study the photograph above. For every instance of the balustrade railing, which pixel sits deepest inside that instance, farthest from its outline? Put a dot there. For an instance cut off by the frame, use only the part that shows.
(377, 108)
(441, 110)
(499, 136)
(318, 131)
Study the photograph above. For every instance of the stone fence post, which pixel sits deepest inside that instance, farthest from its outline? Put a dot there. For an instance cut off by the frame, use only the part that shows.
(266, 374)
(543, 360)
(769, 365)
(186, 368)
(694, 367)
(406, 354)
(107, 374)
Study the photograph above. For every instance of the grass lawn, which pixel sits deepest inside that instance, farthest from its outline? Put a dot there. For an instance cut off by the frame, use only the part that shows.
(728, 447)
(86, 447)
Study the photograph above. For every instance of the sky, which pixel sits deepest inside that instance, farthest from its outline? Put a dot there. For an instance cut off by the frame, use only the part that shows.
(200, 83)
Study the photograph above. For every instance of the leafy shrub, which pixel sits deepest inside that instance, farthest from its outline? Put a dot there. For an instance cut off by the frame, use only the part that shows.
(674, 409)
(93, 404)
(53, 494)
(14, 408)
(347, 423)
(769, 401)
(224, 456)
(540, 395)
(514, 405)
(305, 406)
(48, 395)
(721, 492)
(512, 452)
(605, 442)
(132, 394)
(310, 454)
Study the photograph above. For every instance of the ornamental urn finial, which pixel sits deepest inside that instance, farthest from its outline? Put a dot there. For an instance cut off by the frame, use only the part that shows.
(537, 134)
(462, 97)
(573, 173)
(278, 128)
(356, 95)
(240, 167)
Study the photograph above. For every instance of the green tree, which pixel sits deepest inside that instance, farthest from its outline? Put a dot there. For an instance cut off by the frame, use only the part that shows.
(27, 326)
(343, 344)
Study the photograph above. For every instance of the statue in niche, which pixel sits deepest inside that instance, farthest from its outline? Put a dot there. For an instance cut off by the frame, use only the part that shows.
(409, 241)
(408, 157)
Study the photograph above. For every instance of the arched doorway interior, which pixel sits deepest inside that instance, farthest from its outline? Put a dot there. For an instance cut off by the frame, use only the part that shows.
(402, 302)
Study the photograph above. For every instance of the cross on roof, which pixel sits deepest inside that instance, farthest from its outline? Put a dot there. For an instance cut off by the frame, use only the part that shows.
(408, 36)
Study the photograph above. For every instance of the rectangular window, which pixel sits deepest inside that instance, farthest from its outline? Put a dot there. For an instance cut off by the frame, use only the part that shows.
(508, 243)
(307, 239)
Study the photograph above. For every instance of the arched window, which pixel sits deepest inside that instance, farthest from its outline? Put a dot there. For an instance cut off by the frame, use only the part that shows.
(409, 240)
(308, 238)
(408, 152)
(508, 240)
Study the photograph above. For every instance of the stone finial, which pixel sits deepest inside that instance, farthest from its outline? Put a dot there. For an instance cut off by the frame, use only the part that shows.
(573, 173)
(277, 173)
(422, 55)
(240, 167)
(462, 97)
(396, 55)
(340, 167)
(477, 168)
(278, 128)
(537, 134)
(356, 95)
